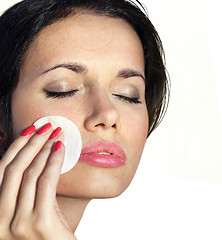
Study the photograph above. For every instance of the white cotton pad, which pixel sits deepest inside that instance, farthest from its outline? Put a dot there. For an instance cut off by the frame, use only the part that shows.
(72, 139)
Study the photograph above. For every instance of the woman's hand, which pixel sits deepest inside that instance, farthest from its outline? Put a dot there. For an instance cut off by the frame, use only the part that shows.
(29, 174)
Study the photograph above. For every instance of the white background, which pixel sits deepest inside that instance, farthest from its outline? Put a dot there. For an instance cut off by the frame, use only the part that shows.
(177, 191)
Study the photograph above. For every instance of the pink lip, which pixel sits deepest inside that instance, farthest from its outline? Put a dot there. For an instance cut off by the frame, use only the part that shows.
(90, 154)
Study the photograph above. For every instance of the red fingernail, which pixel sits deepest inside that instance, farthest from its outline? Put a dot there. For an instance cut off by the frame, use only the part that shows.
(55, 133)
(29, 131)
(57, 146)
(44, 129)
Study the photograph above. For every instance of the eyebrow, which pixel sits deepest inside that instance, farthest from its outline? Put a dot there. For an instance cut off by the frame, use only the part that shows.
(75, 67)
(128, 73)
(81, 68)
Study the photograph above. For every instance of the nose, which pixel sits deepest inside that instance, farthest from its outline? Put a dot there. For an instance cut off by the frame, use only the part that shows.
(102, 114)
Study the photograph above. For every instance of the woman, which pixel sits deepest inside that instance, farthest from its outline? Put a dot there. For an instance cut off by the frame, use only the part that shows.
(97, 63)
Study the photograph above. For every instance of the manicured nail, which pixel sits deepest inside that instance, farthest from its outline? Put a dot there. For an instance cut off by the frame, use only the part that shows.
(57, 146)
(29, 131)
(55, 133)
(44, 129)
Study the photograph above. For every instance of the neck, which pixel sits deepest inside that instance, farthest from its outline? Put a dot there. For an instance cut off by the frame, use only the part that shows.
(73, 209)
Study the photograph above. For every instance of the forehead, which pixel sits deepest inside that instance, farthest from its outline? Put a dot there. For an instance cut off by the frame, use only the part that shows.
(84, 36)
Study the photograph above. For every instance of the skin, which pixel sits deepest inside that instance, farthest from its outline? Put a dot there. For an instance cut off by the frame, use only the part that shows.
(105, 46)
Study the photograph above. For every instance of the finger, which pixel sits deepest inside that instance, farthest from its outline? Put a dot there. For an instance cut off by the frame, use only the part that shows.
(27, 193)
(15, 147)
(32, 148)
(14, 171)
(46, 190)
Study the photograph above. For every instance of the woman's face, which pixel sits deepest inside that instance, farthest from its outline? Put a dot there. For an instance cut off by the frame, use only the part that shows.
(99, 61)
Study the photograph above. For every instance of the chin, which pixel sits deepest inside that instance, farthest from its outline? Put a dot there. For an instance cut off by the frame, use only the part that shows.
(88, 182)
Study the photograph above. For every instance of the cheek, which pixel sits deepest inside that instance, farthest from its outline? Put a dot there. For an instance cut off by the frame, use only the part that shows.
(27, 108)
(137, 125)
(24, 111)
(135, 134)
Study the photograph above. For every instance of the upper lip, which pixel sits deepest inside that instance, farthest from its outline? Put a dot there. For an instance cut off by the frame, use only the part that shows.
(104, 146)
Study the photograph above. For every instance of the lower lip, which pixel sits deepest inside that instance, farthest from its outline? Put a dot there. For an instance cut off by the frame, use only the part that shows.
(101, 160)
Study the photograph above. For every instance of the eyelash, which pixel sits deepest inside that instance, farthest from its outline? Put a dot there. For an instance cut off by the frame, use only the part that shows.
(51, 94)
(128, 99)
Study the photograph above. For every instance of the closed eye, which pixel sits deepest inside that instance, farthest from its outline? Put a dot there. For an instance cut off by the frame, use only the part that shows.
(52, 94)
(128, 99)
